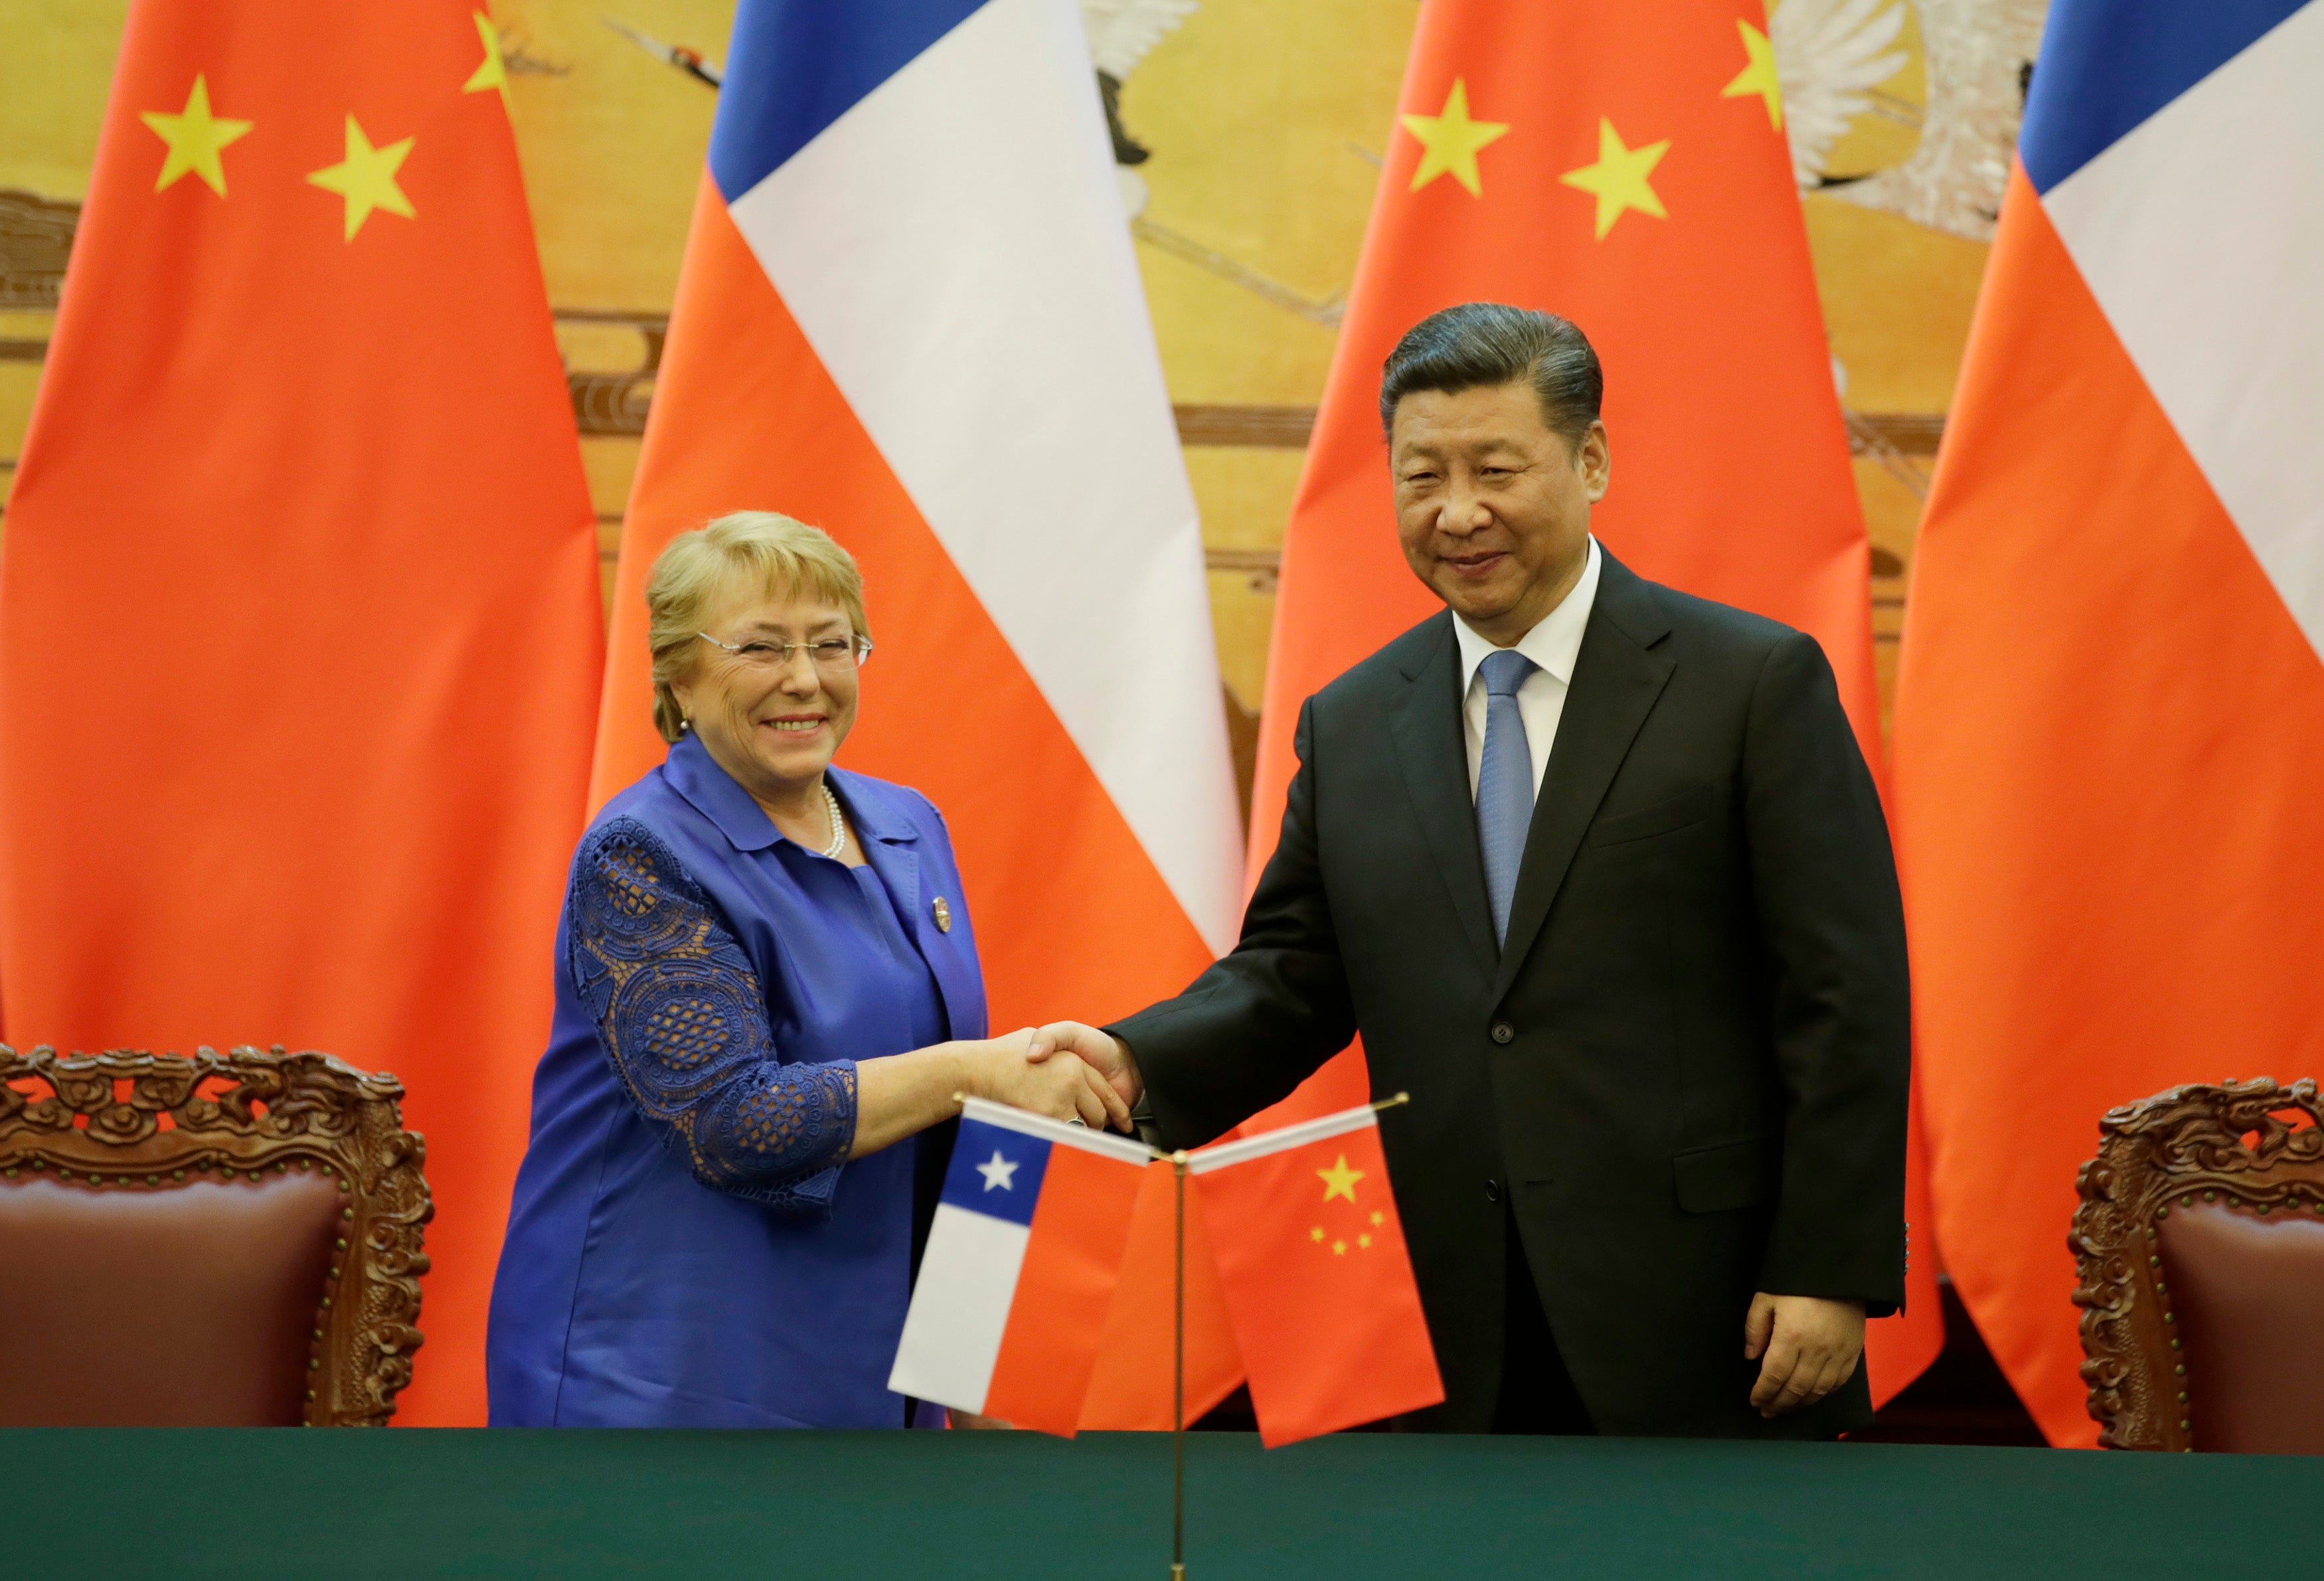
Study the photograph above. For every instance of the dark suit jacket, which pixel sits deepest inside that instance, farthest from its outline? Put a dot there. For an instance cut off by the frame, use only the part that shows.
(1686, 1070)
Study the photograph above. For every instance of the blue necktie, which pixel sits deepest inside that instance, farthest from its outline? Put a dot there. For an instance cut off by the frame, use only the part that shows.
(1504, 781)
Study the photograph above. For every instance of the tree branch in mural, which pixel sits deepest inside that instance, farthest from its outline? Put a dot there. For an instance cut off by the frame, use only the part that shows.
(689, 61)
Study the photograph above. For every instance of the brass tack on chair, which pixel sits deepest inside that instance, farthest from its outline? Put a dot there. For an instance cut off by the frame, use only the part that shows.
(2235, 1202)
(2207, 1197)
(153, 1180)
(177, 1174)
(340, 1244)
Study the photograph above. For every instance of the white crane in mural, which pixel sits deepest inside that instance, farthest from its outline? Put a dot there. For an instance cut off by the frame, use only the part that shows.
(1833, 55)
(1830, 55)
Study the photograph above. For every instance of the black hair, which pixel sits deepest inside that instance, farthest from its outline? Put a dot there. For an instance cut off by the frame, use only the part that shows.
(1478, 344)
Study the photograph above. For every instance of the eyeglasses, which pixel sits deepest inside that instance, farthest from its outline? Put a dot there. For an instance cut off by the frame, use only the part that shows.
(834, 654)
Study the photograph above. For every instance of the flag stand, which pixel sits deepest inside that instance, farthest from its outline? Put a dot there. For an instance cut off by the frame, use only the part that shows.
(1178, 1381)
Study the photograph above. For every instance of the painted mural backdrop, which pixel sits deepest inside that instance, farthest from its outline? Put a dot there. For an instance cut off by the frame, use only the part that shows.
(1248, 137)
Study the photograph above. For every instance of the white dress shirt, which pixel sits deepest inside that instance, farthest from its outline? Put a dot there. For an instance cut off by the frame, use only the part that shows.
(1553, 645)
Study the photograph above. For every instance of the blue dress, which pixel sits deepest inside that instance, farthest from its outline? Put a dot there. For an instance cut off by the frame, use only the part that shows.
(689, 1244)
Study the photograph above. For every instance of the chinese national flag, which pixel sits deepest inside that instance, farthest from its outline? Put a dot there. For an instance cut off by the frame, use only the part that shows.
(299, 629)
(1624, 166)
(1318, 1284)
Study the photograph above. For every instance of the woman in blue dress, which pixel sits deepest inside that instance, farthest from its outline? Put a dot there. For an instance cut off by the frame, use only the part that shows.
(767, 1000)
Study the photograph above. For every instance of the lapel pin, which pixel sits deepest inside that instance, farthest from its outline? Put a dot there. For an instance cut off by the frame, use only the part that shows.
(944, 915)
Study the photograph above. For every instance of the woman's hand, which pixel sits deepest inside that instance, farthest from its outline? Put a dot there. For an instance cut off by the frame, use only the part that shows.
(1060, 1087)
(899, 1094)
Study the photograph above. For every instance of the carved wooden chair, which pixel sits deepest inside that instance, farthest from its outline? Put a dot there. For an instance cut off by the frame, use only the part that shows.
(2201, 1241)
(233, 1239)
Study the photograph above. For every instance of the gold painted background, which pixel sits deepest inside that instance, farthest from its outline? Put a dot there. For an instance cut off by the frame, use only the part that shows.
(1264, 122)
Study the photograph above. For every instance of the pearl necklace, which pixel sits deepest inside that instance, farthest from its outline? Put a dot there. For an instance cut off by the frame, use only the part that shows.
(838, 824)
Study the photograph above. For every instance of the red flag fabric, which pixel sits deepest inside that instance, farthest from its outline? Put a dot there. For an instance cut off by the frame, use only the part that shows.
(1624, 166)
(300, 631)
(1130, 1387)
(2110, 722)
(1317, 1281)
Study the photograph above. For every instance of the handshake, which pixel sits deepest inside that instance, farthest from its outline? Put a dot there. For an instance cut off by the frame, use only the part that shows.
(1065, 1070)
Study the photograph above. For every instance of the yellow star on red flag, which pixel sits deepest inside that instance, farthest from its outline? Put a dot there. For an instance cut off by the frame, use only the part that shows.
(195, 138)
(1339, 1180)
(1618, 180)
(493, 73)
(1449, 142)
(1758, 74)
(366, 177)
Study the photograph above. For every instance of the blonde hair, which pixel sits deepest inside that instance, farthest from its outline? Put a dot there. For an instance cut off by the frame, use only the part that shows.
(742, 552)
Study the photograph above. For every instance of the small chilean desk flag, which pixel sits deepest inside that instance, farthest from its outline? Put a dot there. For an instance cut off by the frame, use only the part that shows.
(1318, 1283)
(1019, 1268)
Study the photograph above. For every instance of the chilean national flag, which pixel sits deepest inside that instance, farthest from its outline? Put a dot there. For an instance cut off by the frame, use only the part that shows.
(2109, 740)
(1020, 1266)
(910, 314)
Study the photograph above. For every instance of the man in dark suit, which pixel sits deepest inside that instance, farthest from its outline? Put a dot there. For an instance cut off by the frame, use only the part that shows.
(1598, 872)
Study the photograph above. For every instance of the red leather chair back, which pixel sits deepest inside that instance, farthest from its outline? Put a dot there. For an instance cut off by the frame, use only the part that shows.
(2248, 1291)
(2199, 1248)
(224, 1239)
(179, 1305)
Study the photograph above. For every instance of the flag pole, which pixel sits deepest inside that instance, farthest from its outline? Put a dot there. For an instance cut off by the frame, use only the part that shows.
(1178, 1381)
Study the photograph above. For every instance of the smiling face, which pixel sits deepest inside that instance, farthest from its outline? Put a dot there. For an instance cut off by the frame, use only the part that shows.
(774, 727)
(1492, 505)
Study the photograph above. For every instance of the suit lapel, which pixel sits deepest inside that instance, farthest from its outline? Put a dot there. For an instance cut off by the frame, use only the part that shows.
(1433, 755)
(1616, 678)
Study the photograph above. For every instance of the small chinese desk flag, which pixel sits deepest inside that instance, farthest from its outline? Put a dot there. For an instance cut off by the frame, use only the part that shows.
(1019, 1268)
(1318, 1283)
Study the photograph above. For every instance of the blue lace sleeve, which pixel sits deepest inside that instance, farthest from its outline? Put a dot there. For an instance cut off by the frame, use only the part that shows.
(679, 1012)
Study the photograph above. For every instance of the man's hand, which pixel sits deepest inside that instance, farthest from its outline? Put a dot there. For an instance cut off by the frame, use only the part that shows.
(1109, 1057)
(1812, 1346)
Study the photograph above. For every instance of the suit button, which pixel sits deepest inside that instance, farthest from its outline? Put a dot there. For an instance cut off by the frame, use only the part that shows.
(1503, 1032)
(1492, 1190)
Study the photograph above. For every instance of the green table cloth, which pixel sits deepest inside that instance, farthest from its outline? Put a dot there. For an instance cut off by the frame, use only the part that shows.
(724, 1506)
